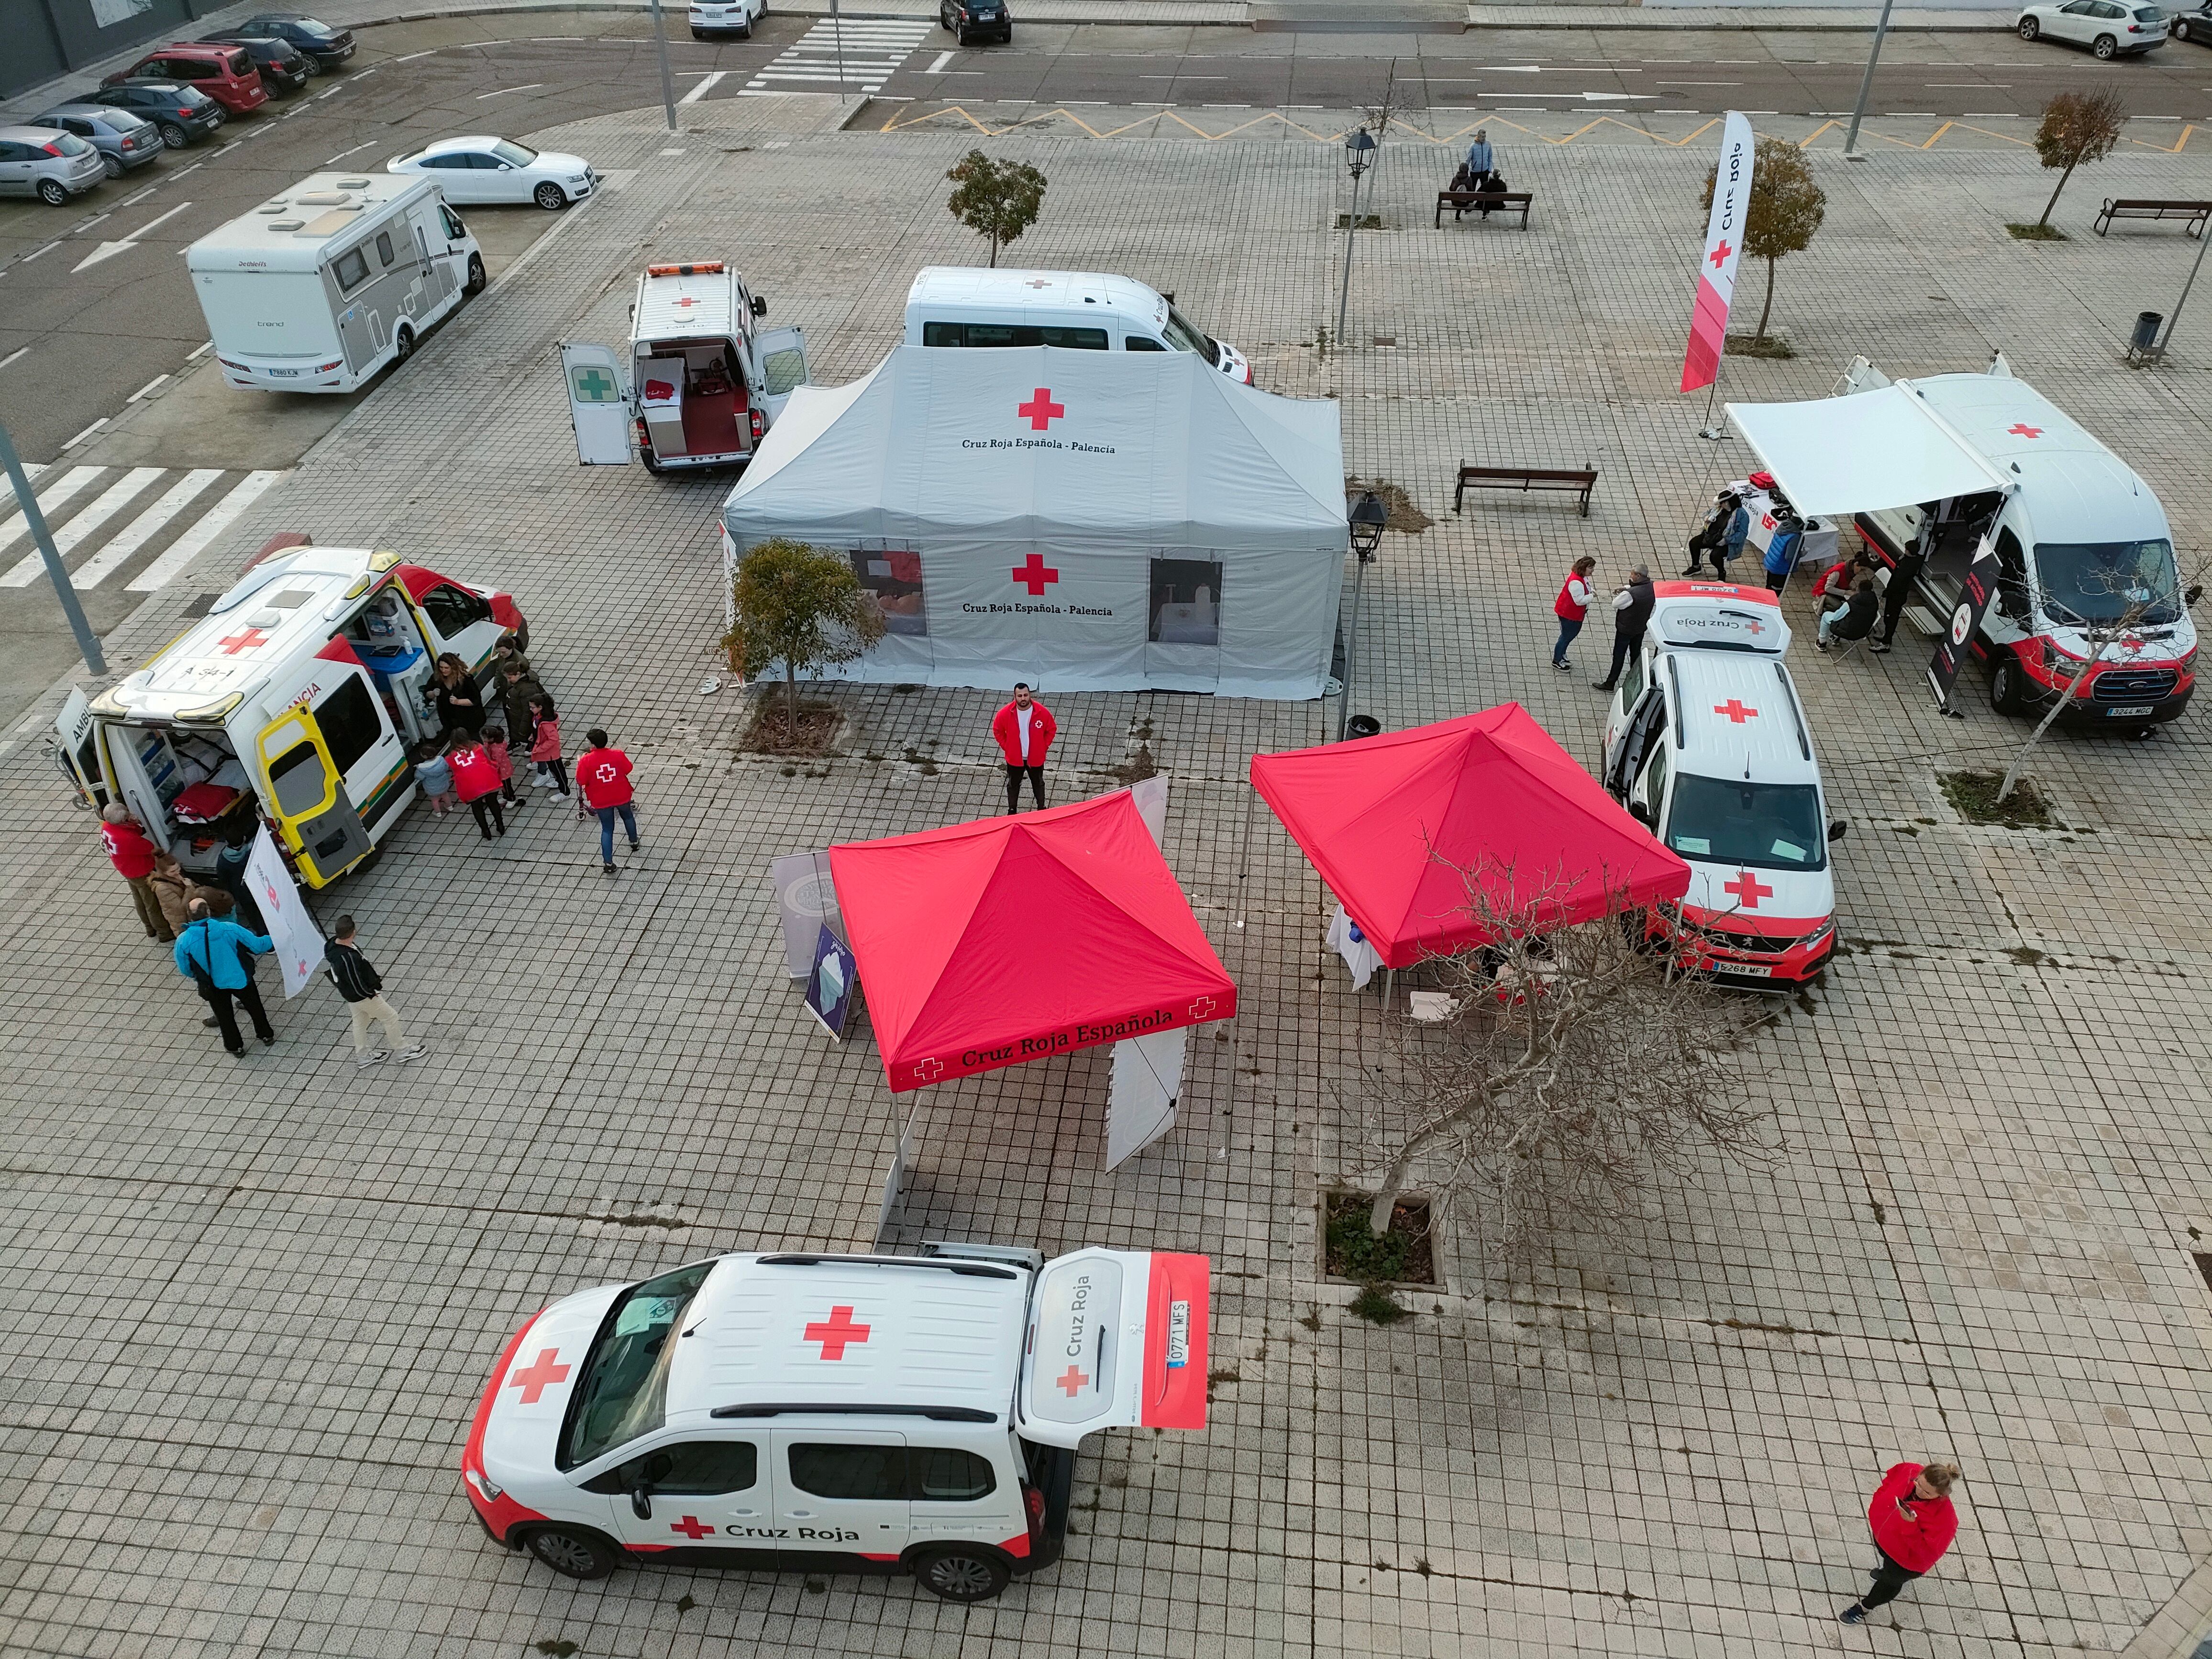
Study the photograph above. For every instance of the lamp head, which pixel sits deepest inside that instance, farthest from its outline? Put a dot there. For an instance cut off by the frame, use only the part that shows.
(1358, 147)
(1368, 517)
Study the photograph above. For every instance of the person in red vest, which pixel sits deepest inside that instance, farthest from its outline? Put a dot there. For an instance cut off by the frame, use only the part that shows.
(1571, 607)
(1913, 1524)
(476, 781)
(603, 785)
(1024, 729)
(134, 856)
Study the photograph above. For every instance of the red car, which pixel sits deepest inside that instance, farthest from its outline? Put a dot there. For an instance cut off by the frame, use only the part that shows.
(226, 74)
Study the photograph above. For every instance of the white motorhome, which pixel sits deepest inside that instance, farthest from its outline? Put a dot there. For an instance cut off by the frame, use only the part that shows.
(317, 290)
(294, 699)
(700, 382)
(1083, 311)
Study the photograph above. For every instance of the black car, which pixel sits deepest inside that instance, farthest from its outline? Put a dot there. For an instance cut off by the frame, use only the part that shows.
(2194, 25)
(284, 68)
(972, 20)
(324, 48)
(183, 115)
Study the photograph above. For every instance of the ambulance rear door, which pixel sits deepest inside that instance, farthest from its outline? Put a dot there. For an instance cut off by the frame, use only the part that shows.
(76, 751)
(598, 404)
(1116, 1338)
(781, 354)
(306, 793)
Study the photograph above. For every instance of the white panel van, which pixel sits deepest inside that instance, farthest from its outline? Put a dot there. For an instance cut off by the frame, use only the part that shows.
(1083, 311)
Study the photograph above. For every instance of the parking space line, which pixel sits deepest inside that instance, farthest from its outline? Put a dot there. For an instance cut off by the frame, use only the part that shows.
(531, 85)
(19, 351)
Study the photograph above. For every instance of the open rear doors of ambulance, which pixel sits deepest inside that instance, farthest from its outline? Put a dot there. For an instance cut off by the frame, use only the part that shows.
(1117, 1338)
(307, 795)
(598, 404)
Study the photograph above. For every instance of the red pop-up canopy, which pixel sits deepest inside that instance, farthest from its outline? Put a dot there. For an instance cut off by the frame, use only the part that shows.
(1385, 818)
(988, 944)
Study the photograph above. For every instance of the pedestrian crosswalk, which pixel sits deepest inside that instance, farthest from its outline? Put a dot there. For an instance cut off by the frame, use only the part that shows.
(106, 520)
(860, 52)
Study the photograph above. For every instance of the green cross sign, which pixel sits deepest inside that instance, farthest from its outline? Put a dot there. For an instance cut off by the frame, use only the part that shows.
(593, 385)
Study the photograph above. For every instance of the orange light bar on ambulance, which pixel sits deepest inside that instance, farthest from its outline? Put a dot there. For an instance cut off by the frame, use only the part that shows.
(703, 268)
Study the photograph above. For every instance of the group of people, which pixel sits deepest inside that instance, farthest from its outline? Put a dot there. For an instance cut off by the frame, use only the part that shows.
(1632, 614)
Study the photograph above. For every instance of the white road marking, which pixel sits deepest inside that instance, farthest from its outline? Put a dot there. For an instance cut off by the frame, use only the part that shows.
(142, 529)
(109, 250)
(226, 150)
(133, 201)
(332, 93)
(83, 225)
(937, 66)
(19, 351)
(146, 388)
(67, 539)
(87, 432)
(56, 491)
(47, 249)
(201, 349)
(529, 87)
(707, 84)
(412, 56)
(343, 154)
(189, 545)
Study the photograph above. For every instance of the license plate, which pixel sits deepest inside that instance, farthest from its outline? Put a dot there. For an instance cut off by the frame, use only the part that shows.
(285, 373)
(2127, 713)
(1178, 1334)
(1744, 970)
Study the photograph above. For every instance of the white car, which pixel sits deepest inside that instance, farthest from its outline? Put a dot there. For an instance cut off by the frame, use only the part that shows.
(2107, 28)
(492, 169)
(726, 17)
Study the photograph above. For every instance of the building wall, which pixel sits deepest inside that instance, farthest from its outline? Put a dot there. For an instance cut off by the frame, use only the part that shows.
(47, 38)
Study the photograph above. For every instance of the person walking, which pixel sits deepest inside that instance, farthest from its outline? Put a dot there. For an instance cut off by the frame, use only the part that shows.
(495, 743)
(518, 687)
(1570, 608)
(133, 853)
(603, 781)
(1481, 161)
(217, 957)
(545, 747)
(1913, 1524)
(454, 692)
(1024, 729)
(1631, 612)
(363, 987)
(475, 780)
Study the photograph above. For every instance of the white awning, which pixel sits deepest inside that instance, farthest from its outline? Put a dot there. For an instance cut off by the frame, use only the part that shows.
(1861, 453)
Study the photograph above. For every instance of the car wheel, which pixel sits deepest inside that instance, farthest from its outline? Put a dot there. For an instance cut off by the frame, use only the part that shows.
(748, 33)
(573, 1554)
(2029, 28)
(652, 462)
(2007, 686)
(403, 345)
(477, 281)
(2106, 49)
(961, 1575)
(113, 168)
(2180, 29)
(53, 192)
(551, 197)
(174, 135)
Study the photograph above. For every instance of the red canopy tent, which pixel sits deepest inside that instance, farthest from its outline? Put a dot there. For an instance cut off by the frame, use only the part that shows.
(1384, 820)
(988, 944)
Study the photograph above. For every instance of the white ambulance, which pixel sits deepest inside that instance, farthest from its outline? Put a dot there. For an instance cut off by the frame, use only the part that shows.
(700, 382)
(1707, 744)
(1076, 310)
(834, 1412)
(295, 700)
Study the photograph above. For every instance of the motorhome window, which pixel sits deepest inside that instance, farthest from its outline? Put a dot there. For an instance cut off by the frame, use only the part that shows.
(452, 610)
(348, 720)
(894, 576)
(1186, 608)
(853, 1473)
(384, 247)
(513, 154)
(298, 777)
(947, 1475)
(2086, 582)
(691, 1468)
(623, 1391)
(454, 229)
(1768, 826)
(350, 268)
(1184, 338)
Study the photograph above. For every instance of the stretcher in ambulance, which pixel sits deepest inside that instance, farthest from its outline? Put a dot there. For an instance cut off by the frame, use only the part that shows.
(1707, 744)
(914, 1414)
(293, 700)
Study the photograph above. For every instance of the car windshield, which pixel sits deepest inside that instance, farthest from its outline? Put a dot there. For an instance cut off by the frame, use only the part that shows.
(190, 97)
(2149, 14)
(1773, 826)
(513, 154)
(1184, 338)
(2086, 582)
(122, 120)
(623, 1390)
(310, 26)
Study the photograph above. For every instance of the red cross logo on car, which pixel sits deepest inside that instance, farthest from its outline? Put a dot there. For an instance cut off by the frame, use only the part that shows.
(1040, 411)
(1748, 888)
(836, 1333)
(1072, 1380)
(542, 1375)
(252, 638)
(1034, 575)
(1735, 710)
(1719, 255)
(2021, 429)
(691, 1527)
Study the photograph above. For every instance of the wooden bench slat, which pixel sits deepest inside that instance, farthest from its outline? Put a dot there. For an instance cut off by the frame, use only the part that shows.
(1497, 201)
(2197, 213)
(1578, 481)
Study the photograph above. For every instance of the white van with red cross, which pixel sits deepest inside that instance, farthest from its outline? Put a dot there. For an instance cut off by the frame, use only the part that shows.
(833, 1413)
(1707, 744)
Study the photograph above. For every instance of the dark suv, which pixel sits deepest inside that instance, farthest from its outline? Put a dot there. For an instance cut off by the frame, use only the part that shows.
(183, 115)
(323, 46)
(284, 67)
(972, 20)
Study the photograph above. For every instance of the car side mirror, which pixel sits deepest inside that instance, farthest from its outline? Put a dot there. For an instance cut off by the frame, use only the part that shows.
(1837, 828)
(760, 307)
(641, 1501)
(2195, 592)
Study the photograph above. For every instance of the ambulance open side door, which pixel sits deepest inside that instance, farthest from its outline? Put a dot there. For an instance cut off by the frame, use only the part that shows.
(598, 404)
(1117, 1338)
(307, 794)
(781, 354)
(76, 750)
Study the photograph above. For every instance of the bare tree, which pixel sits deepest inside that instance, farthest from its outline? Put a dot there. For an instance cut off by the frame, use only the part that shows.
(1376, 116)
(1578, 1064)
(2077, 127)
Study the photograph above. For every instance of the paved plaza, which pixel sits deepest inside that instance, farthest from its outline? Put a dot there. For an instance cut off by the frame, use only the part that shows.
(249, 1306)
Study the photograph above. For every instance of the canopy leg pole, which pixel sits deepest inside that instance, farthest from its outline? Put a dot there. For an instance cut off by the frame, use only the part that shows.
(901, 1134)
(1390, 984)
(1244, 862)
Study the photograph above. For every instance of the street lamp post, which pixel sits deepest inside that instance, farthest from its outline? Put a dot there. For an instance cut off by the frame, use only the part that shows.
(1358, 152)
(667, 86)
(2197, 264)
(1367, 517)
(1852, 152)
(86, 641)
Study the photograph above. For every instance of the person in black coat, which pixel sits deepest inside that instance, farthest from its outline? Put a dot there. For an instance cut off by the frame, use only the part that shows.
(1855, 620)
(1631, 613)
(457, 697)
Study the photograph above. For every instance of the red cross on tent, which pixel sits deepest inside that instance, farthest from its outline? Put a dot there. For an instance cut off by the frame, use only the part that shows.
(1040, 411)
(836, 1333)
(252, 639)
(929, 1071)
(2021, 429)
(1719, 255)
(1201, 1008)
(1034, 575)
(1074, 1380)
(542, 1375)
(1735, 710)
(691, 1527)
(1748, 888)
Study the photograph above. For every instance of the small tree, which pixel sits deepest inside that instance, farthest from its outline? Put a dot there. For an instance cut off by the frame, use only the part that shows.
(1786, 207)
(803, 607)
(2077, 127)
(1000, 200)
(1578, 1064)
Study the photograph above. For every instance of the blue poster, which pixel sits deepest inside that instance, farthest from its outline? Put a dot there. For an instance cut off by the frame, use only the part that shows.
(830, 987)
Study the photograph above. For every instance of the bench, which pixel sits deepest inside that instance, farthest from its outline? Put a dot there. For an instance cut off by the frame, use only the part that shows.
(1577, 482)
(2131, 208)
(1462, 201)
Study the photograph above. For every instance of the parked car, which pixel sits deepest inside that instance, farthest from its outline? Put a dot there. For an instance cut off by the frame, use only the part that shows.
(226, 74)
(284, 67)
(2194, 25)
(323, 46)
(49, 165)
(970, 19)
(124, 140)
(726, 17)
(2107, 28)
(492, 169)
(182, 115)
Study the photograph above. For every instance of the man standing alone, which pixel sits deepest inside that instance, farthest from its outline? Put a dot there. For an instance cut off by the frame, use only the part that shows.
(603, 784)
(1913, 1524)
(1024, 730)
(133, 856)
(363, 987)
(1631, 611)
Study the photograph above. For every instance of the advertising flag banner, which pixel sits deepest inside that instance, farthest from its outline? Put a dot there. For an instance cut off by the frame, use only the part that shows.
(298, 940)
(1956, 642)
(1701, 363)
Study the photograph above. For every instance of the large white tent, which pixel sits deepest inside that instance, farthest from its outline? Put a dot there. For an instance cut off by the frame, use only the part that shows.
(1084, 521)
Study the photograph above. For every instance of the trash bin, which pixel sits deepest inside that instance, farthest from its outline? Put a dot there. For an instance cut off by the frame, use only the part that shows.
(1362, 725)
(2146, 334)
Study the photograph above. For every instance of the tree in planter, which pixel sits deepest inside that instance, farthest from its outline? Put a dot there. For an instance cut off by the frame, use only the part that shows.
(803, 607)
(2077, 127)
(1577, 1065)
(997, 199)
(1785, 208)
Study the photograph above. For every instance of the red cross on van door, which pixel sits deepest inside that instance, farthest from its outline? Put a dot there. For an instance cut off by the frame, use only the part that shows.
(836, 1333)
(1074, 1380)
(691, 1527)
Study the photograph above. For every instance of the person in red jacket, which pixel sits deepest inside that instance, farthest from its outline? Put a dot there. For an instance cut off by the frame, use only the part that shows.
(134, 857)
(1571, 607)
(476, 781)
(1024, 729)
(603, 781)
(1913, 1524)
